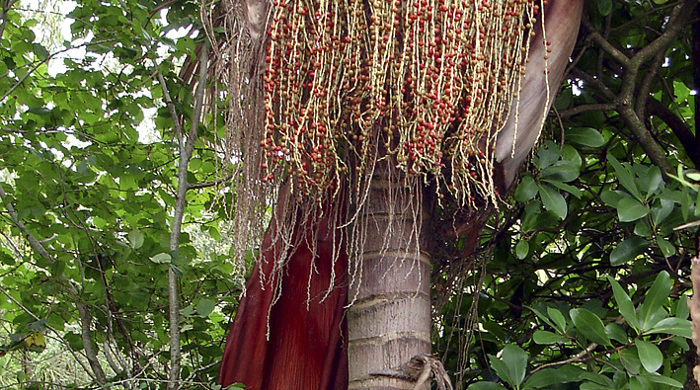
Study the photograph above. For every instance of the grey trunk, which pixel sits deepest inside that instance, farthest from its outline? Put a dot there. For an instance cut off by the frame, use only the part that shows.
(389, 320)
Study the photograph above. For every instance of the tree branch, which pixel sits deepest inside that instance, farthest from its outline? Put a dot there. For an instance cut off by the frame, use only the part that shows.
(625, 100)
(186, 147)
(597, 37)
(682, 132)
(206, 184)
(587, 108)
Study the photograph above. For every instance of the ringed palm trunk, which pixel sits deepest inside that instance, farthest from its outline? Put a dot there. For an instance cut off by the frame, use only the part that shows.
(389, 319)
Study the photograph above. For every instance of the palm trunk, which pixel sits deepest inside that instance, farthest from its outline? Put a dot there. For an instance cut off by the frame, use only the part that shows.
(389, 319)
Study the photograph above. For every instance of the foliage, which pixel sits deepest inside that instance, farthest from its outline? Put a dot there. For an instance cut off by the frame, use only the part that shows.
(96, 187)
(588, 277)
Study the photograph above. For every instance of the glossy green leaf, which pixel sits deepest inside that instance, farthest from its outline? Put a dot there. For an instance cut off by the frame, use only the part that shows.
(662, 380)
(649, 355)
(562, 171)
(655, 298)
(511, 366)
(527, 189)
(547, 377)
(544, 337)
(584, 136)
(649, 180)
(625, 176)
(597, 379)
(612, 198)
(639, 383)
(522, 249)
(626, 307)
(547, 155)
(590, 326)
(682, 310)
(627, 250)
(565, 187)
(667, 249)
(630, 358)
(485, 386)
(617, 333)
(557, 318)
(553, 201)
(673, 325)
(542, 317)
(642, 228)
(629, 210)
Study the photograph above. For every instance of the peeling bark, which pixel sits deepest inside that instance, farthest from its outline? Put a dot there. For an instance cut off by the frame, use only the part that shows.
(305, 345)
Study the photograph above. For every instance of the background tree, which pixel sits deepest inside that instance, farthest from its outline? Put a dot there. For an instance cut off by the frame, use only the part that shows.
(97, 196)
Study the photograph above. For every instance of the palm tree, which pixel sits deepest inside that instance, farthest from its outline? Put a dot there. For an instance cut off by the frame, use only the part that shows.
(360, 119)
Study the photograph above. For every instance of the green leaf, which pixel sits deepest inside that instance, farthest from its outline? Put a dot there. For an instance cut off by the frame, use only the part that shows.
(649, 355)
(667, 249)
(553, 201)
(649, 180)
(590, 326)
(655, 298)
(682, 310)
(522, 249)
(500, 367)
(625, 176)
(625, 305)
(673, 325)
(661, 379)
(612, 198)
(547, 377)
(566, 187)
(511, 366)
(527, 189)
(627, 250)
(542, 317)
(630, 358)
(161, 258)
(562, 171)
(558, 319)
(604, 7)
(639, 383)
(136, 238)
(242, 386)
(205, 306)
(516, 359)
(629, 210)
(617, 333)
(544, 337)
(598, 379)
(547, 155)
(642, 228)
(483, 385)
(584, 136)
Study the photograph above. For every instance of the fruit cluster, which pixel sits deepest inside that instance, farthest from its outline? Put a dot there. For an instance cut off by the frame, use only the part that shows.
(429, 82)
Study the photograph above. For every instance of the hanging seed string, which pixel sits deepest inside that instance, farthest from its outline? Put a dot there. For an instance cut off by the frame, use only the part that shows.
(432, 79)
